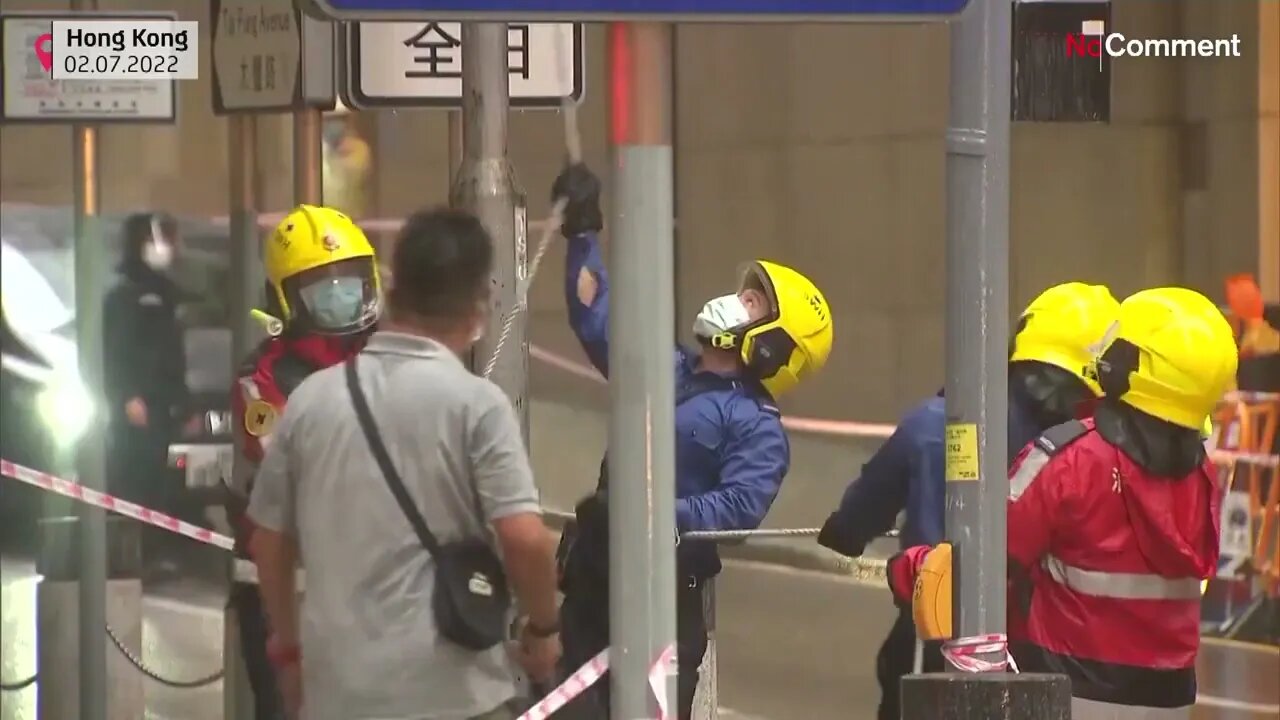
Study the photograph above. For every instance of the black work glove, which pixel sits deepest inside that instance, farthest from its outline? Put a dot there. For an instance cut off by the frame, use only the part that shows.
(835, 536)
(581, 189)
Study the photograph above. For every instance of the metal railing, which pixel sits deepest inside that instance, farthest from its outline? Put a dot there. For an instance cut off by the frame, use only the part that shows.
(706, 703)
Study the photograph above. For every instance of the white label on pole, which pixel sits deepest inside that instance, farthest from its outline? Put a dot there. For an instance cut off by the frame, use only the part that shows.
(1236, 538)
(31, 93)
(398, 63)
(125, 50)
(522, 248)
(257, 46)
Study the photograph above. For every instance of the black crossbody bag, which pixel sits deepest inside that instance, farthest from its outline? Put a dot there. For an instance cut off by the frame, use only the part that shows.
(471, 599)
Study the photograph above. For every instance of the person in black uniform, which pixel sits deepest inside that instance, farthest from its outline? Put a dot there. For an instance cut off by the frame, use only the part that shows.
(144, 368)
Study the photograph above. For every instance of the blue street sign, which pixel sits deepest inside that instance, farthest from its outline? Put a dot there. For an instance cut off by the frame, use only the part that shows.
(671, 10)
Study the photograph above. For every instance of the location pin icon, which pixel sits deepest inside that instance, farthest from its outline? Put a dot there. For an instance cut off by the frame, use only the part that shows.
(43, 52)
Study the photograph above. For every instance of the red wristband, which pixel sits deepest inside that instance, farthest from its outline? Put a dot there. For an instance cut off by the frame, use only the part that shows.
(282, 655)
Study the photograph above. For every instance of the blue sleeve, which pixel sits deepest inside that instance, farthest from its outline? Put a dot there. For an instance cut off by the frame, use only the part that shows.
(755, 459)
(927, 492)
(871, 503)
(589, 322)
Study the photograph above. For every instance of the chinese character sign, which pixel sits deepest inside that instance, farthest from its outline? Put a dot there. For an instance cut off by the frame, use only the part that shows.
(401, 63)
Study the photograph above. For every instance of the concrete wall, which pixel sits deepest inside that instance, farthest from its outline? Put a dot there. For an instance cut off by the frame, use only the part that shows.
(820, 147)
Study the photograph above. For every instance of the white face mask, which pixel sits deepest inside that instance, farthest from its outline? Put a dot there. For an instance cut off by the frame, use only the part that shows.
(720, 314)
(157, 254)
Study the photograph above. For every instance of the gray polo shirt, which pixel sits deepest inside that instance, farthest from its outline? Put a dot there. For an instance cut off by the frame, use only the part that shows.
(369, 642)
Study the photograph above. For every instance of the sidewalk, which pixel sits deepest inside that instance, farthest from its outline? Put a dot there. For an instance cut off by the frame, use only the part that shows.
(181, 637)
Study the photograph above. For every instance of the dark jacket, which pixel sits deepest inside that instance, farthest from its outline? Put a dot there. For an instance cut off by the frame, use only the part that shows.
(907, 473)
(143, 349)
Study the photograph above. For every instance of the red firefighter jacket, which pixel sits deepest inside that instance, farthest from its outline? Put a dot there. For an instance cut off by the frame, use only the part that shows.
(265, 380)
(1115, 558)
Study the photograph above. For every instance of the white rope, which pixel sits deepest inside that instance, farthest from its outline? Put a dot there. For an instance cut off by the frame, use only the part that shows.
(573, 146)
(758, 533)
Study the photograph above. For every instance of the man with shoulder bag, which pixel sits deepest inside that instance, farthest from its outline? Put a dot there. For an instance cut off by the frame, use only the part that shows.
(403, 480)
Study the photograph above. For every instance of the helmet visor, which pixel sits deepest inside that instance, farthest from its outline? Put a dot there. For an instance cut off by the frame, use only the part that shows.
(757, 284)
(336, 299)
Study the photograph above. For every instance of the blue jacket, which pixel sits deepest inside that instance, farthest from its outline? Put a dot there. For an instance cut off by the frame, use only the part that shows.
(907, 473)
(731, 450)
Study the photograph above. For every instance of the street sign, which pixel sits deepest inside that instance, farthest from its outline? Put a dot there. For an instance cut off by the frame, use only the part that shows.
(269, 57)
(420, 64)
(671, 10)
(32, 95)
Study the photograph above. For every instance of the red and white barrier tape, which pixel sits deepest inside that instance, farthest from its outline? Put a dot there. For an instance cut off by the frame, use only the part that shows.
(963, 653)
(576, 684)
(590, 674)
(76, 491)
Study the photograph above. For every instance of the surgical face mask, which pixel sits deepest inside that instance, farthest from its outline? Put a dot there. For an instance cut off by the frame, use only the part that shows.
(333, 134)
(335, 303)
(720, 314)
(157, 254)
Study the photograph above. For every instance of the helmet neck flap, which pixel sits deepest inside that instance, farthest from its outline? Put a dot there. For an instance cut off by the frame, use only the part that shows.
(1157, 446)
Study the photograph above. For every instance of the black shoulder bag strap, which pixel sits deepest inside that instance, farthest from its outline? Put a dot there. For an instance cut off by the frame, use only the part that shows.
(380, 454)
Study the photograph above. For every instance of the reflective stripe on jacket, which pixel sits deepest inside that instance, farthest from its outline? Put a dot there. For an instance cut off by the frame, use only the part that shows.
(1115, 556)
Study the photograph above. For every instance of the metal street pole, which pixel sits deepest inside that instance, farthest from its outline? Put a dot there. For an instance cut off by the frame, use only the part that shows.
(90, 266)
(977, 386)
(455, 146)
(977, 330)
(247, 281)
(247, 276)
(642, 580)
(307, 157)
(486, 185)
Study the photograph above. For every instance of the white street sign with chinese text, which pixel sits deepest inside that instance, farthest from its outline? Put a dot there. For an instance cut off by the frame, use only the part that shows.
(395, 64)
(268, 57)
(32, 95)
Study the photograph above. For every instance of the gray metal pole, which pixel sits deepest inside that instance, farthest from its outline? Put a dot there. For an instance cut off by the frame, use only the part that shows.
(642, 578)
(90, 266)
(246, 285)
(978, 312)
(486, 185)
(307, 157)
(247, 276)
(455, 146)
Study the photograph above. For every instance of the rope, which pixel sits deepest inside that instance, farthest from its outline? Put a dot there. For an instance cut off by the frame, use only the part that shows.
(137, 663)
(758, 533)
(18, 686)
(573, 147)
(744, 534)
(549, 230)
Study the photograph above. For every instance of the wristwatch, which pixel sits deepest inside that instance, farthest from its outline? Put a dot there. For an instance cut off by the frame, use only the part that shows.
(282, 655)
(541, 631)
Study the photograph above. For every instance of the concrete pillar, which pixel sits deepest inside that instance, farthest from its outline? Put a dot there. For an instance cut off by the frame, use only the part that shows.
(1269, 150)
(58, 619)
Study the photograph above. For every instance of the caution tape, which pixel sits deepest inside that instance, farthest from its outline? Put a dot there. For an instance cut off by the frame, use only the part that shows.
(591, 672)
(576, 684)
(89, 496)
(963, 653)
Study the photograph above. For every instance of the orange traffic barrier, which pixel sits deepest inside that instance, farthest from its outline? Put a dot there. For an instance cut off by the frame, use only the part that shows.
(1248, 427)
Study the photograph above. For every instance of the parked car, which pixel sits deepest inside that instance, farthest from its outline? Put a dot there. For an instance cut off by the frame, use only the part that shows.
(43, 398)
